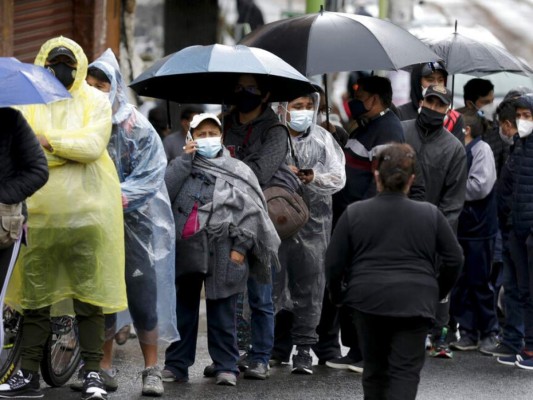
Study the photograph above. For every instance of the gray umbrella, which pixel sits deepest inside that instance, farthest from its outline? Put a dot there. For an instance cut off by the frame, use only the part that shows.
(465, 55)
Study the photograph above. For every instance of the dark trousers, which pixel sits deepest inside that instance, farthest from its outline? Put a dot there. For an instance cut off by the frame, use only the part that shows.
(36, 330)
(513, 328)
(328, 346)
(519, 253)
(335, 320)
(394, 352)
(221, 329)
(472, 298)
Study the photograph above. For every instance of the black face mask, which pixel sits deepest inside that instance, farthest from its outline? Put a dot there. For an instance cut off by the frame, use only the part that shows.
(246, 101)
(430, 120)
(63, 73)
(357, 108)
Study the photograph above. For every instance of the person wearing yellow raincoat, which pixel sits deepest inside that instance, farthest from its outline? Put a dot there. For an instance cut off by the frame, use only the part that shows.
(75, 225)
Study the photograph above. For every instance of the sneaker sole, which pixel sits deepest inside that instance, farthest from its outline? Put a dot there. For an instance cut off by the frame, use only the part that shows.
(494, 353)
(523, 366)
(226, 383)
(464, 348)
(302, 371)
(24, 396)
(509, 363)
(353, 368)
(337, 366)
(442, 354)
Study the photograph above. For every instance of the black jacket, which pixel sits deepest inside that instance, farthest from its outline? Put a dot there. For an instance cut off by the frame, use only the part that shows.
(383, 251)
(23, 166)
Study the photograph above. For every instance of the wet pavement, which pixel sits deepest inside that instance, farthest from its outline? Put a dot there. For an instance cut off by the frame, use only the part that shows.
(470, 375)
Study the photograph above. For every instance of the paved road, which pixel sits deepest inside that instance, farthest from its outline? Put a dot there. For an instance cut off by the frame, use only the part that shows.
(469, 376)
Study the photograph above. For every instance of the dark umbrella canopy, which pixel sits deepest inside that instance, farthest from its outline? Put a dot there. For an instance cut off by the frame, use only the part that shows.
(24, 83)
(331, 42)
(465, 55)
(208, 74)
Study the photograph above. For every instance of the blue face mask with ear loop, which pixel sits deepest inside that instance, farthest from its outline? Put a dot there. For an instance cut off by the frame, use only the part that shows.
(209, 147)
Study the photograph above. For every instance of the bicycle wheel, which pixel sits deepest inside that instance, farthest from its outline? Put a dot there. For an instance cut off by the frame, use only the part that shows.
(62, 351)
(9, 357)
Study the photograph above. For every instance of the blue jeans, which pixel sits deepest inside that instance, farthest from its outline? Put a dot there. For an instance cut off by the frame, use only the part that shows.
(262, 320)
(519, 255)
(221, 329)
(513, 329)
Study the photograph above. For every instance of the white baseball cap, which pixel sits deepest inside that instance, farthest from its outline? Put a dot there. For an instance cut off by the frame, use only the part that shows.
(199, 118)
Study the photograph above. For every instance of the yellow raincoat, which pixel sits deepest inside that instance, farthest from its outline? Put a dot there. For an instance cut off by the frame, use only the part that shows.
(75, 225)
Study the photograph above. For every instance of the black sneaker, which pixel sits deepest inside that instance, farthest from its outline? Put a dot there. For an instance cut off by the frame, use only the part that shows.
(243, 362)
(302, 362)
(93, 386)
(499, 350)
(341, 362)
(256, 370)
(21, 385)
(209, 371)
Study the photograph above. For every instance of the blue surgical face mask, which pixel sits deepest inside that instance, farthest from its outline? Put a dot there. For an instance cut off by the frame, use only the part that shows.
(301, 120)
(209, 147)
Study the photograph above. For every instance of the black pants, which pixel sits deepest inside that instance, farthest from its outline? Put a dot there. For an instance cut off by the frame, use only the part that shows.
(332, 321)
(394, 352)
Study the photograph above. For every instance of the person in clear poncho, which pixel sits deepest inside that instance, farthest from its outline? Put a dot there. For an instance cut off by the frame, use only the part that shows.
(299, 288)
(75, 224)
(140, 160)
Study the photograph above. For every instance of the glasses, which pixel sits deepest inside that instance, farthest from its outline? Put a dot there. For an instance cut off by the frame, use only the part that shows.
(249, 89)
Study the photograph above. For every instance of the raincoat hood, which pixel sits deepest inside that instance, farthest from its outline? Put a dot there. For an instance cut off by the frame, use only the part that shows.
(416, 86)
(283, 112)
(108, 64)
(81, 58)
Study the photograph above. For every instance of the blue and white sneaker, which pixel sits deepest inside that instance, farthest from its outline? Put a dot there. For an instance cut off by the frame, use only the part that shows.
(512, 360)
(525, 363)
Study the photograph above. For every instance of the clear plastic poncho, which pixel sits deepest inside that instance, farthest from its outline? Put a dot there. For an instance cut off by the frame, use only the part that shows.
(75, 223)
(140, 160)
(315, 149)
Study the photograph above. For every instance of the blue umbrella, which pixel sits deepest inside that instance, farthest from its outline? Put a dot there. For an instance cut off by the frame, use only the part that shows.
(24, 83)
(208, 74)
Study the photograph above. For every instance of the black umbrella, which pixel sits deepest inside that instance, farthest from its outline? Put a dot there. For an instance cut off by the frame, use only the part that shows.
(331, 42)
(208, 74)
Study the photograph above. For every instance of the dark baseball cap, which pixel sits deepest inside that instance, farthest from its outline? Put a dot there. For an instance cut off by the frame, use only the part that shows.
(61, 51)
(430, 67)
(441, 92)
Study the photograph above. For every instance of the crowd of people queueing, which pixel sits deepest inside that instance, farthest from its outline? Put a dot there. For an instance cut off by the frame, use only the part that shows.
(417, 216)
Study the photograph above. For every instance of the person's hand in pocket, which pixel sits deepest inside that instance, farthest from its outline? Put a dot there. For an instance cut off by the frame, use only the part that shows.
(236, 257)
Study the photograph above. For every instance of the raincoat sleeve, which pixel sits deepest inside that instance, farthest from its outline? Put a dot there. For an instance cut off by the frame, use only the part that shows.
(149, 162)
(329, 171)
(85, 144)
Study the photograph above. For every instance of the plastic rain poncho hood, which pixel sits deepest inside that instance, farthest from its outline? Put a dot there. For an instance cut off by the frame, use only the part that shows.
(140, 160)
(75, 223)
(317, 150)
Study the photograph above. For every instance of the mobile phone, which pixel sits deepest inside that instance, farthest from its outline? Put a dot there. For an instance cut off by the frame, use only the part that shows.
(189, 136)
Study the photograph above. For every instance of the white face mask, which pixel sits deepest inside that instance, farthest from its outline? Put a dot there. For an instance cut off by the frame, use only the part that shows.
(506, 139)
(488, 111)
(301, 120)
(524, 127)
